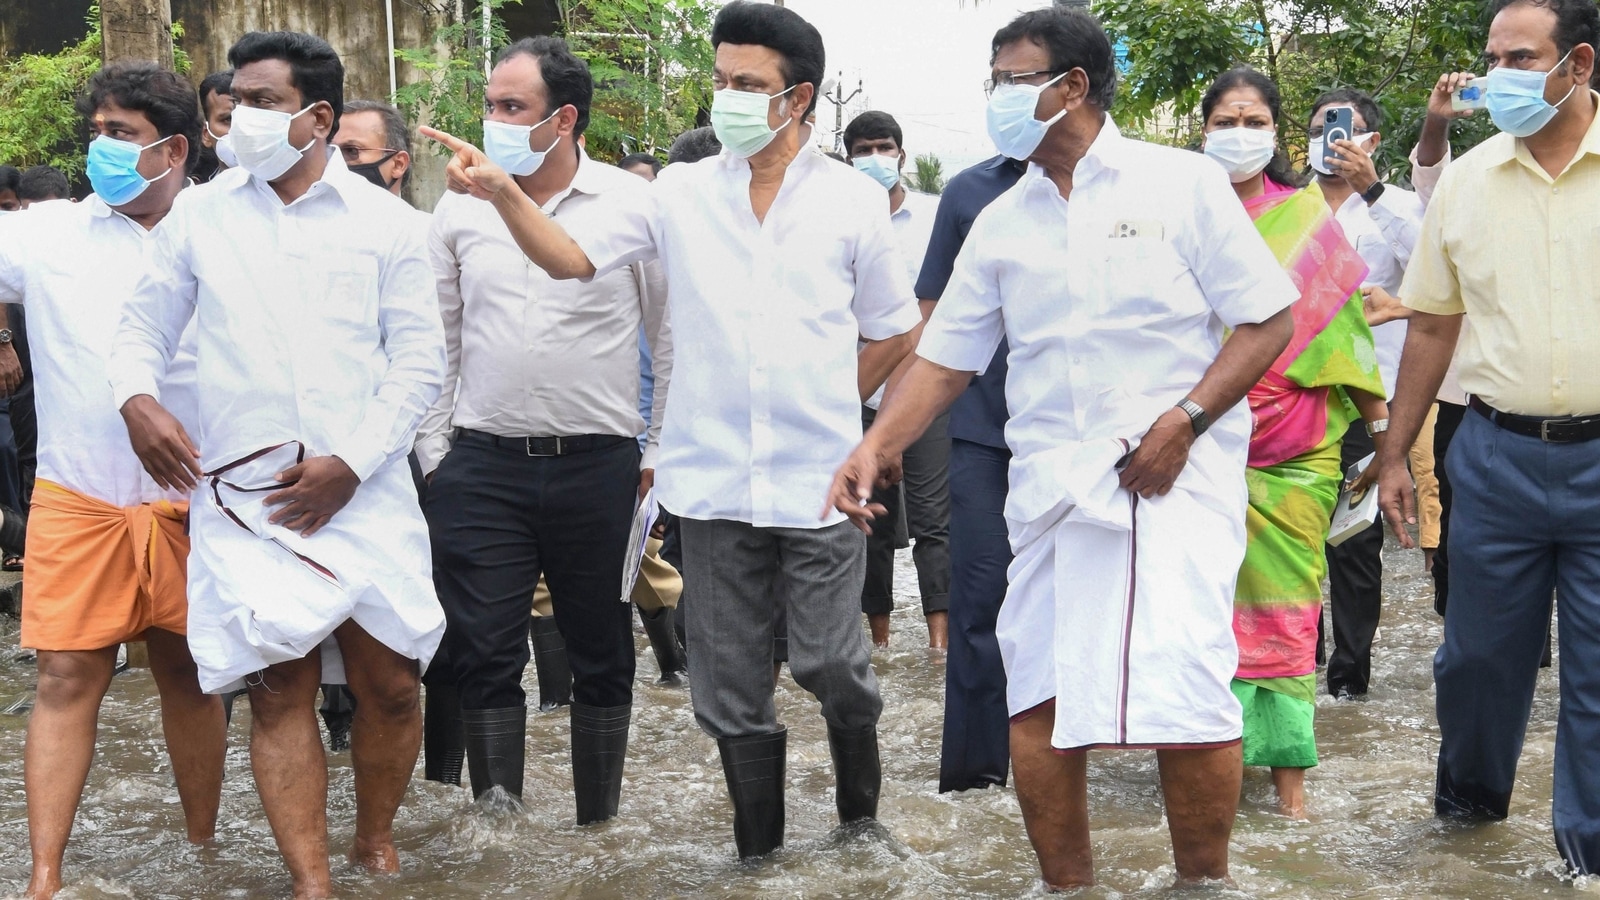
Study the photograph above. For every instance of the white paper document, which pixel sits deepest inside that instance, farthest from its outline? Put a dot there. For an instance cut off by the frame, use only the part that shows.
(644, 519)
(1353, 513)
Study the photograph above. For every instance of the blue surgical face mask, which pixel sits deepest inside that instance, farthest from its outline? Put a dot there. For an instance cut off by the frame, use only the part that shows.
(1012, 127)
(884, 169)
(114, 169)
(507, 146)
(1515, 98)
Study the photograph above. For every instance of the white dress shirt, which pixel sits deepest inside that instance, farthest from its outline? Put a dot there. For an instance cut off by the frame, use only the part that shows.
(1425, 179)
(765, 316)
(534, 356)
(354, 387)
(1106, 333)
(913, 227)
(72, 265)
(1384, 234)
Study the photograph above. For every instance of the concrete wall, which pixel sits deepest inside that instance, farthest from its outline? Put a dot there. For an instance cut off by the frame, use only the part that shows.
(355, 28)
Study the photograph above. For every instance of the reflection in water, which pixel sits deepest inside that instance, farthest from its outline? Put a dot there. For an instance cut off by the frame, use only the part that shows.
(1371, 832)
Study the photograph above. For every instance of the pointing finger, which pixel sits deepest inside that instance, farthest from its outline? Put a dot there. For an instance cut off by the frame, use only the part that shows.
(449, 140)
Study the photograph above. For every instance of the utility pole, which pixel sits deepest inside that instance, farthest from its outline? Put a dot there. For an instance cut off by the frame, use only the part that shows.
(137, 29)
(838, 98)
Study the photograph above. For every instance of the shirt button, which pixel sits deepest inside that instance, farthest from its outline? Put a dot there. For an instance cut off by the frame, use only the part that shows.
(1556, 239)
(1555, 190)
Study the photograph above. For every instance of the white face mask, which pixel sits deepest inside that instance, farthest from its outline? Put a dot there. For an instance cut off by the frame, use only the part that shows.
(1244, 152)
(260, 139)
(224, 146)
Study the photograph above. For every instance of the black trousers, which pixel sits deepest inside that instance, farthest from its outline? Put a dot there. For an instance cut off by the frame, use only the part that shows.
(1444, 429)
(499, 518)
(918, 507)
(1355, 593)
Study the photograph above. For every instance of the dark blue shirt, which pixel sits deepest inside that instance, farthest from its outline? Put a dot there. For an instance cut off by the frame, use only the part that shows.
(979, 414)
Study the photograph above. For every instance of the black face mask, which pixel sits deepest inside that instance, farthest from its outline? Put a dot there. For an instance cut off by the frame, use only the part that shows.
(209, 165)
(370, 172)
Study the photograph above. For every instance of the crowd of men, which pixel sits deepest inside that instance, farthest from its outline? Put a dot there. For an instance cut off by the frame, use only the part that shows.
(295, 434)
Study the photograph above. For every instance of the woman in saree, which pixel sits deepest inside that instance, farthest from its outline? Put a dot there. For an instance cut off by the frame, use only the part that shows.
(1325, 380)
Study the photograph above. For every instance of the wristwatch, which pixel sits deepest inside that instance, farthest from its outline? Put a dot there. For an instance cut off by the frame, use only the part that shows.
(1377, 428)
(5, 335)
(1199, 419)
(1371, 194)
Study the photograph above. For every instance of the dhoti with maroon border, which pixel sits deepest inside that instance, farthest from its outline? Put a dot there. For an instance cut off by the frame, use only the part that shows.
(1120, 608)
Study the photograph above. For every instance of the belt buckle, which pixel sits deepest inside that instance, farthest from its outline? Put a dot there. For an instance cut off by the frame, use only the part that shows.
(1558, 438)
(529, 447)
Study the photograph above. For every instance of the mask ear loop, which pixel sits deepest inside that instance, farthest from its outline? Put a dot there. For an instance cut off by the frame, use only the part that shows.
(783, 108)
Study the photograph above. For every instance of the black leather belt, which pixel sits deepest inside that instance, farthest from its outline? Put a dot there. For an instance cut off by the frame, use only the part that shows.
(1564, 430)
(544, 446)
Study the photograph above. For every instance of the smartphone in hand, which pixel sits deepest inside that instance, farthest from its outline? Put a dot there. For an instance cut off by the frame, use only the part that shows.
(1337, 125)
(1472, 95)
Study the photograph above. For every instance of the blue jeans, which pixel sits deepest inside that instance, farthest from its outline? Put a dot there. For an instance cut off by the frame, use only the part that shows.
(1525, 524)
(977, 728)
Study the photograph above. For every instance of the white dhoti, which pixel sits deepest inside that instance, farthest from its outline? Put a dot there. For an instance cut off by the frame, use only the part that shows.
(1121, 608)
(260, 594)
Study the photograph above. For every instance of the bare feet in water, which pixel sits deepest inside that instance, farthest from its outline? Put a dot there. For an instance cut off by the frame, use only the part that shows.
(376, 856)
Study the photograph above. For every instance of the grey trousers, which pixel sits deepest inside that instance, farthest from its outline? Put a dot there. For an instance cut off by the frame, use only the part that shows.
(741, 574)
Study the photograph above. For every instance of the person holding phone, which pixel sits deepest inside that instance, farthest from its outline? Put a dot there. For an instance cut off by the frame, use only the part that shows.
(1505, 243)
(1381, 221)
(1303, 409)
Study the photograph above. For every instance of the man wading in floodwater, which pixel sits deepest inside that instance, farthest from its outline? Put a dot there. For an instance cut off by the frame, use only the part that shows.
(1126, 513)
(320, 346)
(106, 561)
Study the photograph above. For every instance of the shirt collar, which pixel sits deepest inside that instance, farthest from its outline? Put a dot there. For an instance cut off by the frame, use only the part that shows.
(1500, 152)
(1103, 153)
(588, 179)
(336, 179)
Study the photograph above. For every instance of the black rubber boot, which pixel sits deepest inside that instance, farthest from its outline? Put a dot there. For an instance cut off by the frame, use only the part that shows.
(664, 641)
(599, 749)
(550, 660)
(495, 748)
(857, 770)
(444, 742)
(338, 713)
(754, 767)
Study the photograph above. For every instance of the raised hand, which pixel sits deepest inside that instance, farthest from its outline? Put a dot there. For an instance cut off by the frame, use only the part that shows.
(469, 171)
(1439, 100)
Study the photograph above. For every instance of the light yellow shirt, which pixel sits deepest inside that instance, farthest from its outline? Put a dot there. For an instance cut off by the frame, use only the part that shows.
(1519, 252)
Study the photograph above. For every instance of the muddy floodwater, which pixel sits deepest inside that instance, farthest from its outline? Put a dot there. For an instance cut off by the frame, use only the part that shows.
(1371, 831)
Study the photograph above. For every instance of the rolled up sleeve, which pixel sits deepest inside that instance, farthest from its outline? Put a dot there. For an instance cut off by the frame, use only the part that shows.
(968, 324)
(884, 306)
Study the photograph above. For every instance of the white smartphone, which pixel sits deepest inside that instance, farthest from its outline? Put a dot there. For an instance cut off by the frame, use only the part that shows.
(1472, 95)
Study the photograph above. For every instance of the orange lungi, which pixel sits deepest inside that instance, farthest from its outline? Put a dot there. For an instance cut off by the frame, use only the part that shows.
(100, 574)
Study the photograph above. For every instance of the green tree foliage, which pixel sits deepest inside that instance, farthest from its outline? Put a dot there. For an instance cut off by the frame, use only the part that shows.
(1393, 49)
(39, 124)
(449, 92)
(650, 59)
(927, 175)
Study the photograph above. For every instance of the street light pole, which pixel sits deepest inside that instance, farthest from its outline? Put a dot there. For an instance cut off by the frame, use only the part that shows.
(838, 98)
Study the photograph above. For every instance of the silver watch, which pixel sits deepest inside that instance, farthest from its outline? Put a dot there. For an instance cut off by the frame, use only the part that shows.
(1199, 419)
(1377, 428)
